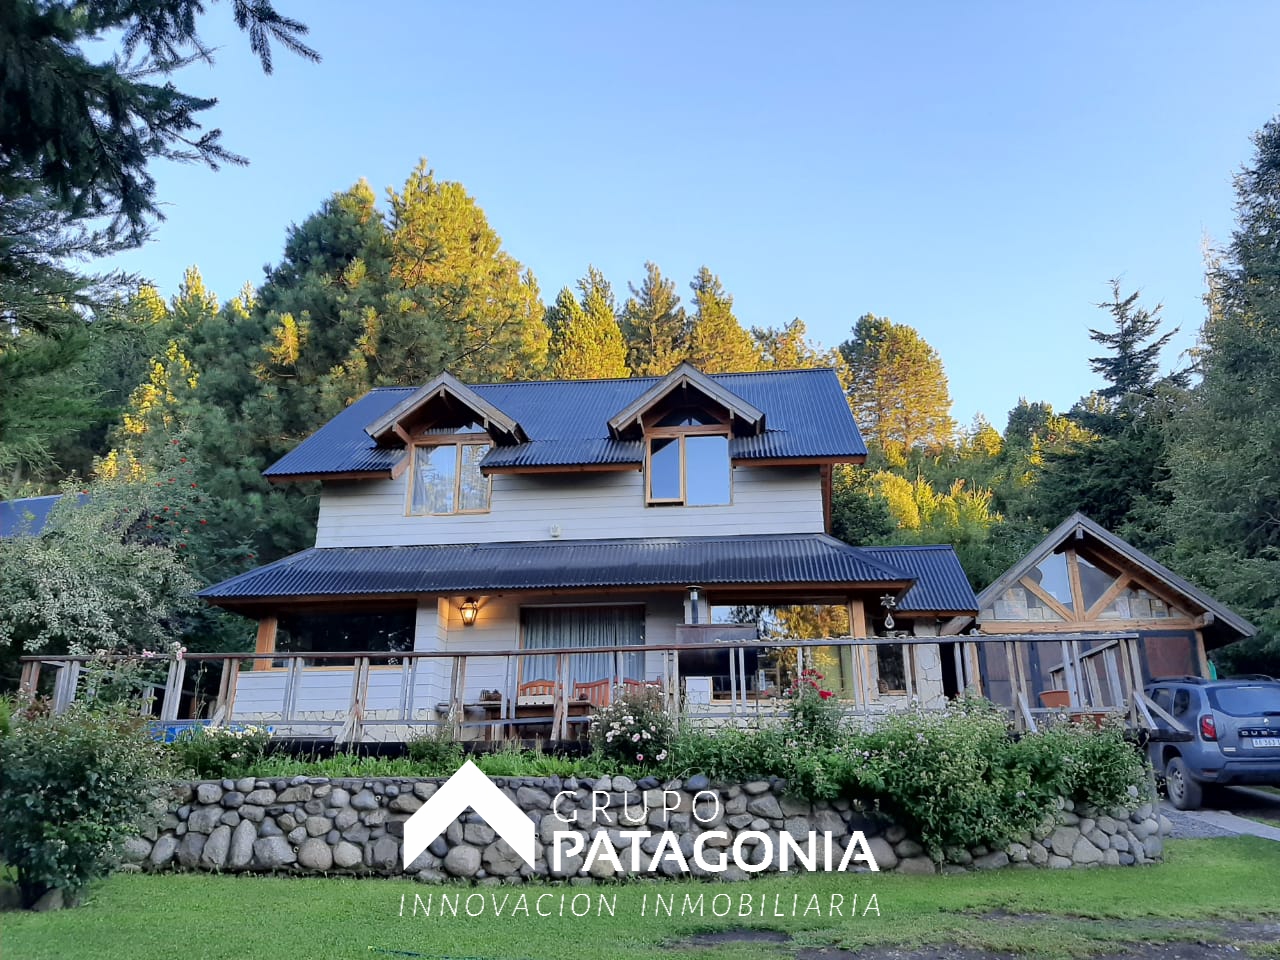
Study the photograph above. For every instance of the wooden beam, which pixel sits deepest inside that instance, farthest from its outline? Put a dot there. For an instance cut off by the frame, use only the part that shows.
(1104, 601)
(266, 641)
(1047, 599)
(1073, 578)
(996, 627)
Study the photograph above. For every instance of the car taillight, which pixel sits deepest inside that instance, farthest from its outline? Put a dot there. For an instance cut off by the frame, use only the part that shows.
(1208, 730)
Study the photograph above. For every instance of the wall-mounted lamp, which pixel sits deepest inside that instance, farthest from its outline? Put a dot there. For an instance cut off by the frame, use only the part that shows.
(695, 595)
(469, 609)
(888, 601)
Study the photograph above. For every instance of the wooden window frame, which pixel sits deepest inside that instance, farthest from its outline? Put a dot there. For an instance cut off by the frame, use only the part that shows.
(458, 441)
(680, 433)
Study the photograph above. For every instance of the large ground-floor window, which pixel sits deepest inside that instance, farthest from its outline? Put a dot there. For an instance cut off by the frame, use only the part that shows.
(585, 627)
(312, 632)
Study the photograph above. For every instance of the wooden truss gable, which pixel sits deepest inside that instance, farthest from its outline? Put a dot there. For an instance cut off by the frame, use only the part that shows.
(1082, 576)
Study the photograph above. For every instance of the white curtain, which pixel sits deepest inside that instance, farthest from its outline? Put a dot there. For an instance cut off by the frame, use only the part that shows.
(546, 628)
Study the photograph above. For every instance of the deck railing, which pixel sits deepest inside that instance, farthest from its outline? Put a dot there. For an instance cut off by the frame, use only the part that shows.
(202, 687)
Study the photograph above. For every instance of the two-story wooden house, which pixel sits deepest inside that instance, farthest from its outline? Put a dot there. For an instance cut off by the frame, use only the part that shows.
(626, 526)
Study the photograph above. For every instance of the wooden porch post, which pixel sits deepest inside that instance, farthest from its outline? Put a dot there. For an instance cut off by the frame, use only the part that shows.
(266, 642)
(858, 630)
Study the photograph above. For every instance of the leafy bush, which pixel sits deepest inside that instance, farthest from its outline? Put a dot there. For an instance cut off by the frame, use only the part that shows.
(436, 751)
(217, 752)
(944, 775)
(73, 787)
(1087, 764)
(814, 712)
(633, 730)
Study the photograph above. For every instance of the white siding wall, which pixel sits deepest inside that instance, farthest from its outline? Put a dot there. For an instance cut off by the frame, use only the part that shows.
(586, 506)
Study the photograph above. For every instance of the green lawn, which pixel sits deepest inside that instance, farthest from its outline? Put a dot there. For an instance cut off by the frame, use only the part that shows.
(1072, 913)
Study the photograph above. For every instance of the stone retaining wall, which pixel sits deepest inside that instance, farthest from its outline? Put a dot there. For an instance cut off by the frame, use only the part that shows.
(355, 826)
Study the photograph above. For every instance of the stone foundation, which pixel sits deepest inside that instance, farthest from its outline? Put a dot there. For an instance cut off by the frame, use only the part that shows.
(355, 826)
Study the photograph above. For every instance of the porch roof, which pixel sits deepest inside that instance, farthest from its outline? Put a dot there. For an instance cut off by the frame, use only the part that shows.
(809, 559)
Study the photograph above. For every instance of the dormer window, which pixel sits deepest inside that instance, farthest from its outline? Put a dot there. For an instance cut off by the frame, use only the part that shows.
(446, 478)
(687, 461)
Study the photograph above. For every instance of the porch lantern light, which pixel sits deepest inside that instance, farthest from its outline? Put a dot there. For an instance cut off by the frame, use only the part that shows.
(469, 609)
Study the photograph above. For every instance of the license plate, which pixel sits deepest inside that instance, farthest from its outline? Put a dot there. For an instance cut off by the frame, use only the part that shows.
(1266, 742)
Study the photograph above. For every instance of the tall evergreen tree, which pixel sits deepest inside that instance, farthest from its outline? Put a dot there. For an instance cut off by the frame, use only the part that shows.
(898, 387)
(717, 341)
(587, 342)
(1224, 515)
(654, 325)
(789, 348)
(1132, 365)
(86, 129)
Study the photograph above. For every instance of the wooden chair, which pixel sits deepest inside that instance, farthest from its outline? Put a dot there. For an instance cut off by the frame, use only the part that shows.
(537, 688)
(635, 686)
(599, 693)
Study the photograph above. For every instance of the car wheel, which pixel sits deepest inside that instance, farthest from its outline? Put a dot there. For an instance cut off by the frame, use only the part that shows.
(1184, 792)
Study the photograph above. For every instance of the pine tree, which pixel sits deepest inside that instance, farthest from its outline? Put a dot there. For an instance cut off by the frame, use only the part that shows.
(587, 342)
(1224, 488)
(717, 342)
(655, 325)
(789, 348)
(898, 388)
(1133, 365)
(87, 130)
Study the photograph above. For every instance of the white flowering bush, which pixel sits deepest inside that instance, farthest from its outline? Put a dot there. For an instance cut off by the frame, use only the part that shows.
(634, 729)
(212, 753)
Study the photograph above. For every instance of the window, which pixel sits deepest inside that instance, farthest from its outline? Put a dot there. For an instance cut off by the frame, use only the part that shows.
(892, 668)
(1051, 577)
(447, 479)
(390, 630)
(690, 469)
(586, 627)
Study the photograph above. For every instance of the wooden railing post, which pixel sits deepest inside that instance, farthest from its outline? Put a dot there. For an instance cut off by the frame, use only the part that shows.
(171, 704)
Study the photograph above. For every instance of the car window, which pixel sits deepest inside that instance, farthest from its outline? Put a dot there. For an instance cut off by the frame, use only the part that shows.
(1247, 700)
(1181, 702)
(1163, 698)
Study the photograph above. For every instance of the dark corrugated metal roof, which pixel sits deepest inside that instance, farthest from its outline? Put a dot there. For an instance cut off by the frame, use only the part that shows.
(940, 583)
(807, 415)
(27, 517)
(461, 568)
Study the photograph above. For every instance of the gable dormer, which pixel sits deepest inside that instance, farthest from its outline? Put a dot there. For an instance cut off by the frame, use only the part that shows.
(443, 403)
(686, 389)
(685, 421)
(447, 430)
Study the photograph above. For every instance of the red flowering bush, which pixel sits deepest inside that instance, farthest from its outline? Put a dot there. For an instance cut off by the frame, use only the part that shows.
(814, 712)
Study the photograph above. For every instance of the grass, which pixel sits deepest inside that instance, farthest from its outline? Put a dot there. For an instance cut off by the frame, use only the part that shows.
(1038, 913)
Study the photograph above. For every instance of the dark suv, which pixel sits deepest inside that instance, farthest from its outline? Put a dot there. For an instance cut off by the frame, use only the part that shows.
(1228, 732)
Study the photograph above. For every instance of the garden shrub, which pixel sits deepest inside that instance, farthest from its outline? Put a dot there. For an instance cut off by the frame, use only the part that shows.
(435, 750)
(211, 753)
(814, 713)
(941, 775)
(513, 761)
(73, 787)
(634, 729)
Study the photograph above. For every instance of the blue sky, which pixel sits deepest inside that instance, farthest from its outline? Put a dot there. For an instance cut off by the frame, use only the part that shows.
(976, 170)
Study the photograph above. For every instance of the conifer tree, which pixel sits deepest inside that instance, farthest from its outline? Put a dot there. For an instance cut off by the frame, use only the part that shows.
(655, 325)
(898, 388)
(587, 342)
(717, 341)
(1132, 366)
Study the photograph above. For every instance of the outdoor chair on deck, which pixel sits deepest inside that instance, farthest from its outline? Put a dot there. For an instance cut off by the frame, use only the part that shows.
(537, 688)
(599, 693)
